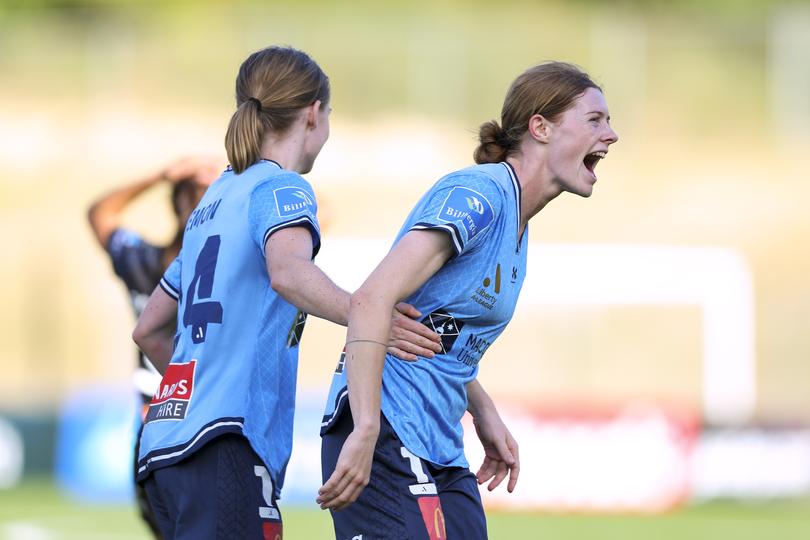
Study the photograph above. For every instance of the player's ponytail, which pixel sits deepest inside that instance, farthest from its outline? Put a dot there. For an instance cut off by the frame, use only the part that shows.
(548, 90)
(494, 144)
(243, 140)
(272, 87)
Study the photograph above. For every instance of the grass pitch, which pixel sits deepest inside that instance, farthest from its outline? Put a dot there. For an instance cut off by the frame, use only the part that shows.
(37, 510)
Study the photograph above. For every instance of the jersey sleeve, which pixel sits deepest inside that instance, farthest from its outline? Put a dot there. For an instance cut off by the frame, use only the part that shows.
(284, 201)
(134, 260)
(170, 282)
(464, 206)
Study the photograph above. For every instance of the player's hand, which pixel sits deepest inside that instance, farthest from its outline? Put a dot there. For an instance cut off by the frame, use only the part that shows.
(202, 170)
(410, 338)
(501, 456)
(351, 473)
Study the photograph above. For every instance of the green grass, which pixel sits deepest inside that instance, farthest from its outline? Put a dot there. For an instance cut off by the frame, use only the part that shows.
(36, 510)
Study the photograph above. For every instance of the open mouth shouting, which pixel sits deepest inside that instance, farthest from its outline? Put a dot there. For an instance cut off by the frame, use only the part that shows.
(591, 160)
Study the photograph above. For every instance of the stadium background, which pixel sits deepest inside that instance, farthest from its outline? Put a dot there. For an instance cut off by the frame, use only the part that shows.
(705, 192)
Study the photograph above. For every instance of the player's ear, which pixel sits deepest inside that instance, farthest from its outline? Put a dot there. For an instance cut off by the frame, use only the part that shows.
(312, 114)
(539, 128)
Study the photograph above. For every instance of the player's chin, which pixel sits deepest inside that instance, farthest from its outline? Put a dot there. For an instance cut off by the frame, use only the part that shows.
(586, 185)
(584, 190)
(581, 185)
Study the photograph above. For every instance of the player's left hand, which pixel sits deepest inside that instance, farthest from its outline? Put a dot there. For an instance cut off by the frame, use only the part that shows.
(411, 339)
(501, 456)
(352, 471)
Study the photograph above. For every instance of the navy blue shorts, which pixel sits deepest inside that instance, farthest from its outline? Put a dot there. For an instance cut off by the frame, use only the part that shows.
(407, 497)
(222, 490)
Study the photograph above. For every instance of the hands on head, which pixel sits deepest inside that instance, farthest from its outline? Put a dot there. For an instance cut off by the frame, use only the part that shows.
(202, 170)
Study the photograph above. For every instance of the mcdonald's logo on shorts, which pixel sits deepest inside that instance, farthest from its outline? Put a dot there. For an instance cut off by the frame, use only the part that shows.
(271, 530)
(433, 517)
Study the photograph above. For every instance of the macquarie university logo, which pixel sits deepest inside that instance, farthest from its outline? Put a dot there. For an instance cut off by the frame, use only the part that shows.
(446, 326)
(473, 350)
(292, 200)
(468, 207)
(171, 400)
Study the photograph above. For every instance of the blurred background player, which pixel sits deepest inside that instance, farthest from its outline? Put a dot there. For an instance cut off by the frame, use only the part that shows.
(140, 264)
(460, 258)
(217, 438)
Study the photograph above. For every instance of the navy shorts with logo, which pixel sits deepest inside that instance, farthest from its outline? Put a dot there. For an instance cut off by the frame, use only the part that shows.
(222, 490)
(407, 497)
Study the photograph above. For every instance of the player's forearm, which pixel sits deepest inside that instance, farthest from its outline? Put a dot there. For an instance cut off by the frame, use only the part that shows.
(369, 328)
(117, 200)
(105, 213)
(154, 331)
(478, 401)
(157, 346)
(308, 288)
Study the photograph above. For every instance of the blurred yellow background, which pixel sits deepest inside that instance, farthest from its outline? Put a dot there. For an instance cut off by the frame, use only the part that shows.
(710, 100)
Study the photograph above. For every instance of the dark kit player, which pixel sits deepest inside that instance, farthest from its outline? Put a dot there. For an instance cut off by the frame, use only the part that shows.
(140, 264)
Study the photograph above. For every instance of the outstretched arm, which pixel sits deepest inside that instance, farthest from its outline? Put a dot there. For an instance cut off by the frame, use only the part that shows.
(501, 455)
(415, 258)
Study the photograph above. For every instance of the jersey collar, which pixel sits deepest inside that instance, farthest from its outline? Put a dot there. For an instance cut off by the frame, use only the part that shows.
(516, 188)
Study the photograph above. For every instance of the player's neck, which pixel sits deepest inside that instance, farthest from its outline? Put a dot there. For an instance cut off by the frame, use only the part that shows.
(286, 150)
(536, 190)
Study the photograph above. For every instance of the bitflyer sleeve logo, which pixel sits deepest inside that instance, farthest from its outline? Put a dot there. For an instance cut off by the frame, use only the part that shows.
(292, 200)
(468, 207)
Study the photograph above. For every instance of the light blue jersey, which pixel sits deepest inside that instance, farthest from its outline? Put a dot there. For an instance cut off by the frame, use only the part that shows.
(468, 302)
(236, 355)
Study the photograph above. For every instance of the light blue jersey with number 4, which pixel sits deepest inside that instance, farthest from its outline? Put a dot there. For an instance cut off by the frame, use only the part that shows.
(468, 302)
(234, 365)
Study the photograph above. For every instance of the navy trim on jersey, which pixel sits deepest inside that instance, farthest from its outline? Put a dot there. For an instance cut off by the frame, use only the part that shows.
(449, 228)
(516, 187)
(229, 168)
(169, 289)
(340, 401)
(274, 162)
(164, 457)
(303, 220)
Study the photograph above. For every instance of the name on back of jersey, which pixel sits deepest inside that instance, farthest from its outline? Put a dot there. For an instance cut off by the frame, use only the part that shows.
(202, 215)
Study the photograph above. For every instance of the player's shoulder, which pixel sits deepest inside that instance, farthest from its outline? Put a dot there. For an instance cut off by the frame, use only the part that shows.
(282, 181)
(284, 194)
(488, 178)
(483, 183)
(124, 240)
(122, 237)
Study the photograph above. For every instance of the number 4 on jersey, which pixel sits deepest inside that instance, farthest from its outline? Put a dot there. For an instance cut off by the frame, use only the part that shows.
(199, 315)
